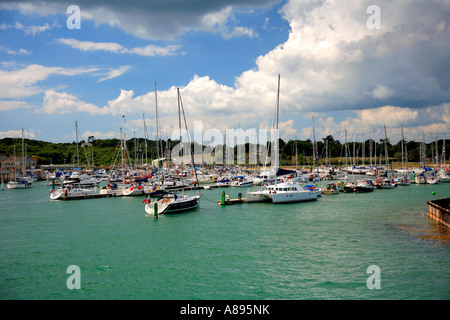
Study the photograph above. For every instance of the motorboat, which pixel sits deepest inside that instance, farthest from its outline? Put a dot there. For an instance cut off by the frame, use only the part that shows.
(83, 180)
(133, 190)
(289, 192)
(241, 181)
(331, 188)
(171, 203)
(70, 191)
(313, 188)
(359, 187)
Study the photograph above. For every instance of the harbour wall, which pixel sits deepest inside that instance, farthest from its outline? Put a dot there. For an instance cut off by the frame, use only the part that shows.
(439, 210)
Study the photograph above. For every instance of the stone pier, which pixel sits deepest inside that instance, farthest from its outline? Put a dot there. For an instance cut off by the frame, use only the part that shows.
(439, 210)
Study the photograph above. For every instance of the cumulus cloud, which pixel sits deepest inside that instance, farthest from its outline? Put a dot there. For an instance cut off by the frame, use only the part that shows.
(22, 83)
(62, 103)
(156, 20)
(28, 134)
(100, 135)
(331, 62)
(11, 105)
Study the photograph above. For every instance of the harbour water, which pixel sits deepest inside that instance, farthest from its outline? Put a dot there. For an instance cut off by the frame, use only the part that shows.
(252, 251)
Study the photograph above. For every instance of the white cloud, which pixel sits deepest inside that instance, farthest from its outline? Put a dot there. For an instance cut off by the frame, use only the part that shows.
(152, 50)
(62, 103)
(382, 92)
(28, 134)
(12, 105)
(149, 50)
(13, 52)
(113, 73)
(22, 83)
(92, 46)
(100, 135)
(156, 20)
(330, 63)
(28, 30)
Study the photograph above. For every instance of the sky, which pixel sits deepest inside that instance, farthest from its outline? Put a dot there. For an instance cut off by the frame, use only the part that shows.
(350, 66)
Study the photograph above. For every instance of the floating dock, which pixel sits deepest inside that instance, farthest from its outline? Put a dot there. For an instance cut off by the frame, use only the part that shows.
(439, 210)
(91, 196)
(231, 201)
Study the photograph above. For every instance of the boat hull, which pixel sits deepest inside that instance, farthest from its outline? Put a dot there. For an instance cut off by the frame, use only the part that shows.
(18, 185)
(258, 197)
(289, 197)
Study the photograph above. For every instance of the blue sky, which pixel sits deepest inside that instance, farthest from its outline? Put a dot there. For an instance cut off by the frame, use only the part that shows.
(225, 56)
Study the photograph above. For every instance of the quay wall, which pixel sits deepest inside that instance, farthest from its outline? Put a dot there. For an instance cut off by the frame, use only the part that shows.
(439, 210)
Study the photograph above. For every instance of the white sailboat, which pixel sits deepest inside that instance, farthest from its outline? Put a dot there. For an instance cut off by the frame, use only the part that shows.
(284, 192)
(262, 195)
(21, 182)
(406, 180)
(172, 202)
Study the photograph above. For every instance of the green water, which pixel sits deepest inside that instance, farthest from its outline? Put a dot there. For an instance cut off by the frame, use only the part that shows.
(313, 250)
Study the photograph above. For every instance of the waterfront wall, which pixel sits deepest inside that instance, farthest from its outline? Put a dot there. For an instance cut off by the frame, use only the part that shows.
(439, 210)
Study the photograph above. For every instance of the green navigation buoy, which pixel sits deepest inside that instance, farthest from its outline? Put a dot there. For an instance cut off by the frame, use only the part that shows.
(223, 197)
(155, 210)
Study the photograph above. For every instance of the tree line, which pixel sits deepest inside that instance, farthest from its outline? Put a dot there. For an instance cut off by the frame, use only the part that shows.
(104, 152)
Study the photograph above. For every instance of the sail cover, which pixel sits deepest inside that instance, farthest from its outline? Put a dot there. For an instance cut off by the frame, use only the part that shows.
(283, 172)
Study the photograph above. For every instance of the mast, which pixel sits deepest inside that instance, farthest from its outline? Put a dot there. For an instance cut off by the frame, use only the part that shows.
(403, 138)
(15, 164)
(22, 165)
(76, 135)
(437, 153)
(314, 148)
(157, 127)
(363, 149)
(188, 138)
(346, 155)
(386, 150)
(443, 154)
(276, 127)
(122, 154)
(145, 139)
(179, 120)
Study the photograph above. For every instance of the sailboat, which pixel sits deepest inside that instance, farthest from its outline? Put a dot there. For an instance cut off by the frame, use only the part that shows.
(406, 180)
(444, 175)
(20, 182)
(284, 192)
(170, 202)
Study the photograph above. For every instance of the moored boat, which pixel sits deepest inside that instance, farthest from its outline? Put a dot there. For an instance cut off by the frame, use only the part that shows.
(331, 188)
(171, 203)
(71, 191)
